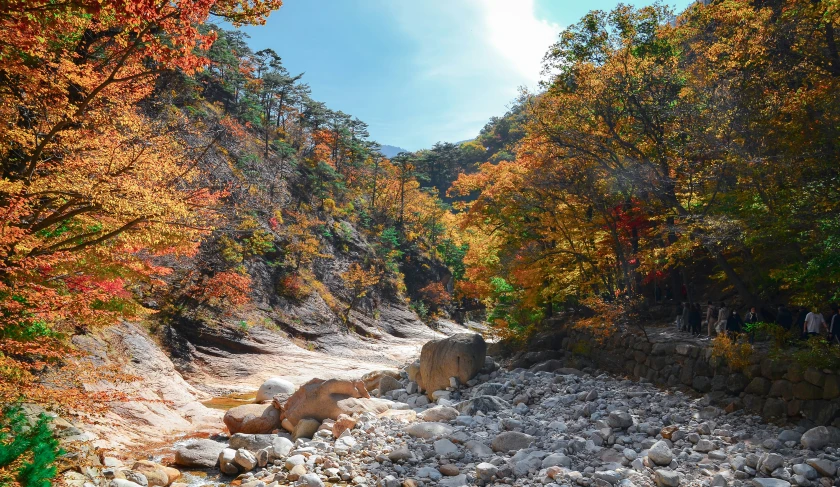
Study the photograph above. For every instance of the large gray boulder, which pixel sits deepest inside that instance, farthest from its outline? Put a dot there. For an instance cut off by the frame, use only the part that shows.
(201, 453)
(226, 462)
(438, 414)
(667, 478)
(388, 384)
(762, 482)
(820, 437)
(429, 430)
(250, 442)
(460, 356)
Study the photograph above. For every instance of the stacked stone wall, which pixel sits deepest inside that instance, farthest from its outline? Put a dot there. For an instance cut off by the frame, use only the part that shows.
(771, 388)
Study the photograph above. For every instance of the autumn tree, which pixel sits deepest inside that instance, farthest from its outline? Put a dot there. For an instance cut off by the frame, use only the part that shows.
(91, 187)
(359, 282)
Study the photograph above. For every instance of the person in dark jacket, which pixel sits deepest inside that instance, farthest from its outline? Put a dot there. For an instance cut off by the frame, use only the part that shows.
(784, 317)
(834, 325)
(695, 318)
(734, 323)
(752, 319)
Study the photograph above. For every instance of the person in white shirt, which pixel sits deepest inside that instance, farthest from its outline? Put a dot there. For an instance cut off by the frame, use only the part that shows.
(813, 322)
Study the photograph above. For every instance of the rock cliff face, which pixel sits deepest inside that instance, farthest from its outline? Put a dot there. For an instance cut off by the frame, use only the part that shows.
(222, 357)
(162, 403)
(212, 359)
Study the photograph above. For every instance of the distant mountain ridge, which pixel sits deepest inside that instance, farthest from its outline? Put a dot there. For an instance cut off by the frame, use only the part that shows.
(390, 151)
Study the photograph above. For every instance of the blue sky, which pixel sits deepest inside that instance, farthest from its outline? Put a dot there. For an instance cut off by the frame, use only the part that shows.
(422, 71)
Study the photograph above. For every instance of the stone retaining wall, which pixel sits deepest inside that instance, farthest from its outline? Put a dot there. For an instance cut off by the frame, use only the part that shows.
(777, 391)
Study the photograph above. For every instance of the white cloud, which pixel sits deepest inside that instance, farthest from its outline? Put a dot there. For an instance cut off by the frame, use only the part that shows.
(459, 38)
(517, 35)
(469, 58)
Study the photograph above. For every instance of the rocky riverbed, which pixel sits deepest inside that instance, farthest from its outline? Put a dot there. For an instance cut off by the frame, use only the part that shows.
(547, 425)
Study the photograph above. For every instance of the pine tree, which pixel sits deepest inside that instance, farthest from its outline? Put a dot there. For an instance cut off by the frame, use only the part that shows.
(31, 449)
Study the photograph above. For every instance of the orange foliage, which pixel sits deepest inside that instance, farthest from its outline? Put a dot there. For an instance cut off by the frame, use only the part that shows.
(435, 294)
(224, 288)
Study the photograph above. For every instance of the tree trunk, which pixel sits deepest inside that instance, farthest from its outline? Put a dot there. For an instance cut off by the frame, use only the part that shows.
(743, 290)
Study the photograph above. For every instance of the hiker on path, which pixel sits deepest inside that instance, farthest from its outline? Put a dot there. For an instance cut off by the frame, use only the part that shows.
(695, 317)
(814, 321)
(723, 316)
(734, 323)
(752, 319)
(711, 314)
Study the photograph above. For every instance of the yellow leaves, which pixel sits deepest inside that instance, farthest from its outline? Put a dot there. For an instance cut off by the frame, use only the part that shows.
(735, 350)
(11, 187)
(359, 280)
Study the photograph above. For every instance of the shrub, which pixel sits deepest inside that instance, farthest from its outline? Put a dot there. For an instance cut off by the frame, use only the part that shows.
(738, 354)
(224, 288)
(780, 337)
(259, 243)
(421, 309)
(294, 287)
(818, 353)
(230, 250)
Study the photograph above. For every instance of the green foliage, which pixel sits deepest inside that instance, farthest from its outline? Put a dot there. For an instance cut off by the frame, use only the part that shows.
(247, 160)
(259, 243)
(453, 256)
(421, 309)
(123, 306)
(505, 310)
(27, 452)
(780, 337)
(343, 230)
(390, 238)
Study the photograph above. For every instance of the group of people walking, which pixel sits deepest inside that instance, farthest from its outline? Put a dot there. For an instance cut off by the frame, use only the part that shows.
(721, 319)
